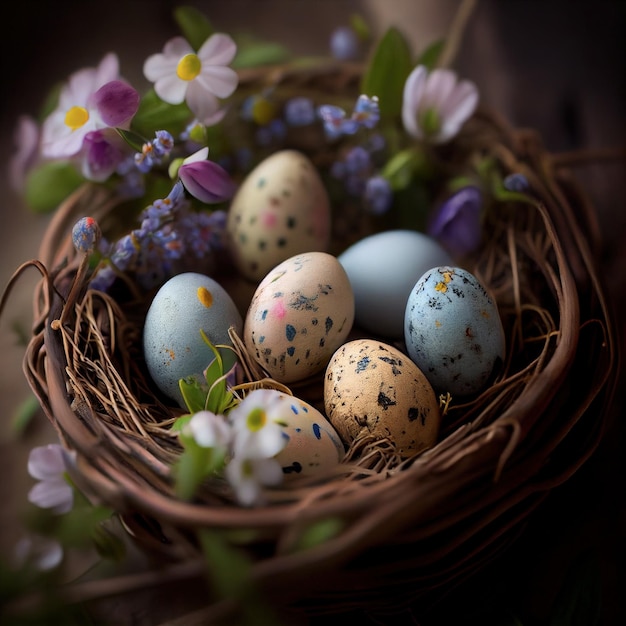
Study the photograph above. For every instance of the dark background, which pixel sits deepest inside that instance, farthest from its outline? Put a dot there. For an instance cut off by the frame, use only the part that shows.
(555, 66)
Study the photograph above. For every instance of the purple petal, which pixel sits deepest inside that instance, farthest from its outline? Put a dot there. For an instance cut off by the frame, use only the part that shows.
(101, 157)
(207, 181)
(117, 102)
(456, 223)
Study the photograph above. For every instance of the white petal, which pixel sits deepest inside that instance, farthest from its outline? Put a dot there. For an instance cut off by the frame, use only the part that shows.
(268, 471)
(217, 79)
(200, 155)
(218, 49)
(439, 86)
(413, 90)
(46, 461)
(171, 89)
(108, 70)
(463, 105)
(177, 47)
(202, 103)
(52, 494)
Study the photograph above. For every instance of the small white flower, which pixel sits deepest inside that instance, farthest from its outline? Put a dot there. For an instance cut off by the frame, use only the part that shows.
(209, 430)
(48, 465)
(180, 74)
(436, 105)
(257, 423)
(248, 476)
(42, 552)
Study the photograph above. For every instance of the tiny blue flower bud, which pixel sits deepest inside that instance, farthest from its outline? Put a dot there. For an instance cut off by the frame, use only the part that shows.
(516, 182)
(86, 234)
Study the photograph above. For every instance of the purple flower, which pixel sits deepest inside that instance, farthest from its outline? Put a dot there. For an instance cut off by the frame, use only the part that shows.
(48, 465)
(205, 180)
(377, 195)
(345, 44)
(101, 155)
(456, 223)
(299, 111)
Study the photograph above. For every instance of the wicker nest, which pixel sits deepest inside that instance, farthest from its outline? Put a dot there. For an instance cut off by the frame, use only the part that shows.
(401, 530)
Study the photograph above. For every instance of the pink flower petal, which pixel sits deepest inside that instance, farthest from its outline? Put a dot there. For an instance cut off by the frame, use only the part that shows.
(177, 47)
(439, 86)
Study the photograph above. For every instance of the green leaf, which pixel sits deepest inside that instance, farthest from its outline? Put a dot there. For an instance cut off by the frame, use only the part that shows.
(229, 567)
(134, 140)
(51, 183)
(401, 168)
(194, 465)
(24, 415)
(194, 394)
(319, 532)
(387, 72)
(580, 599)
(155, 114)
(194, 25)
(254, 53)
(431, 54)
(360, 27)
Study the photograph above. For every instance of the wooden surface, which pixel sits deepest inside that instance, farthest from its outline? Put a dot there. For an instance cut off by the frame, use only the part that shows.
(554, 66)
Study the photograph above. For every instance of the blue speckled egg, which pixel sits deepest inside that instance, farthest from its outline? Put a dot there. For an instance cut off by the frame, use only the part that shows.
(172, 343)
(313, 447)
(301, 312)
(453, 331)
(382, 269)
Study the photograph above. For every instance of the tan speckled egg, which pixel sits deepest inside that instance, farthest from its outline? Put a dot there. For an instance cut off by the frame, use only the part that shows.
(301, 312)
(281, 209)
(373, 388)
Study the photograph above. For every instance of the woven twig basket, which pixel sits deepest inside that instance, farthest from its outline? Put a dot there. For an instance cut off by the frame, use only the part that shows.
(402, 530)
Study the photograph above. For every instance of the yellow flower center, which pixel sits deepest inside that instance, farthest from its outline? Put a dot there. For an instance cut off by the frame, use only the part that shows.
(76, 117)
(256, 419)
(188, 67)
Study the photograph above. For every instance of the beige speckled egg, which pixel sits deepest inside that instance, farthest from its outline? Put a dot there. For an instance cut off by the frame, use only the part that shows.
(281, 209)
(301, 312)
(313, 445)
(373, 388)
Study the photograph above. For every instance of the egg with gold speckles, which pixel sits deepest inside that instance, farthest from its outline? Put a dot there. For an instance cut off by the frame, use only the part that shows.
(453, 331)
(281, 209)
(300, 313)
(172, 342)
(373, 390)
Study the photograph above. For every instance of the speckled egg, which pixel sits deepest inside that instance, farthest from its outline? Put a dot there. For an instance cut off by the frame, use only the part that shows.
(372, 388)
(281, 209)
(313, 445)
(172, 343)
(382, 269)
(453, 331)
(301, 312)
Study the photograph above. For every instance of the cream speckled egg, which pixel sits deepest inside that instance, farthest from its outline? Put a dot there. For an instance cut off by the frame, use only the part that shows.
(313, 445)
(281, 209)
(172, 343)
(371, 388)
(301, 312)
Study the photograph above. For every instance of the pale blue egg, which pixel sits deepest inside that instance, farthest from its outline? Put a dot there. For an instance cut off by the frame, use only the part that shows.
(382, 269)
(453, 331)
(172, 342)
